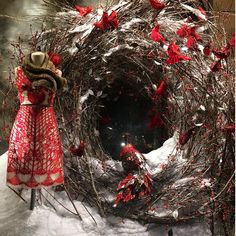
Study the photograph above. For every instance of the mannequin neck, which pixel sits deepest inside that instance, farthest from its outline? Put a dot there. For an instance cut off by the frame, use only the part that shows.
(37, 58)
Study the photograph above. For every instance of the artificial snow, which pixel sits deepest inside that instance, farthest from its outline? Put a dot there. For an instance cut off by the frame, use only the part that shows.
(17, 220)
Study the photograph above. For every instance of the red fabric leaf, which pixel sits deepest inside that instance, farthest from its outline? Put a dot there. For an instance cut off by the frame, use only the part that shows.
(184, 137)
(207, 49)
(183, 31)
(54, 58)
(112, 18)
(232, 41)
(174, 54)
(156, 4)
(107, 22)
(229, 128)
(83, 10)
(222, 53)
(156, 121)
(161, 89)
(156, 36)
(77, 151)
(191, 43)
(216, 66)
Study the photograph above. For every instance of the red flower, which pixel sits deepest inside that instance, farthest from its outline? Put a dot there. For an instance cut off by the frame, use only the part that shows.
(207, 49)
(78, 151)
(156, 121)
(156, 4)
(156, 36)
(216, 66)
(161, 89)
(54, 58)
(184, 137)
(174, 54)
(230, 128)
(232, 41)
(107, 22)
(83, 10)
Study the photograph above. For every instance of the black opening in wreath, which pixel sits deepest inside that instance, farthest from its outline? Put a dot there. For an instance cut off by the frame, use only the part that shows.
(126, 117)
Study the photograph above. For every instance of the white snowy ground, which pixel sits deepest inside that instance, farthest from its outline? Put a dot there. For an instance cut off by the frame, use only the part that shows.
(17, 220)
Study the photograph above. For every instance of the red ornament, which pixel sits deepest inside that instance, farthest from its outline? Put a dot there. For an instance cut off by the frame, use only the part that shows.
(184, 137)
(54, 58)
(156, 36)
(78, 151)
(156, 4)
(83, 10)
(216, 66)
(107, 22)
(174, 54)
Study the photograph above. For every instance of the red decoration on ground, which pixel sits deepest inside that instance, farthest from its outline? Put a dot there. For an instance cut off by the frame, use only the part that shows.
(232, 41)
(184, 137)
(83, 10)
(156, 36)
(107, 22)
(157, 4)
(54, 58)
(174, 54)
(133, 187)
(222, 53)
(35, 150)
(78, 151)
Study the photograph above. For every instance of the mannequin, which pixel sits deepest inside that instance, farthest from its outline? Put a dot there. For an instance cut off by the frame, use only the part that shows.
(37, 58)
(35, 156)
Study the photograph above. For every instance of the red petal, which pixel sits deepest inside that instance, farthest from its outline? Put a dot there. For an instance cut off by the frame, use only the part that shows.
(156, 4)
(191, 43)
(83, 10)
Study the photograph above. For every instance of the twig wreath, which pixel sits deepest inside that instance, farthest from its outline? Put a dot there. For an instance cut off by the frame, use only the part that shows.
(173, 55)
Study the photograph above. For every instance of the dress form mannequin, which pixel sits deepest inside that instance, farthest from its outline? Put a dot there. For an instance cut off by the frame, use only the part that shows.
(37, 58)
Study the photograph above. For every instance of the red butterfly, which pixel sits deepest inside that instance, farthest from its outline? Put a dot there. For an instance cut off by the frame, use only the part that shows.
(156, 4)
(83, 10)
(107, 22)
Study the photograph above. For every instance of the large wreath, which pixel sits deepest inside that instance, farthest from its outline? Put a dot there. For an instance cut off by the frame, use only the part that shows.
(172, 56)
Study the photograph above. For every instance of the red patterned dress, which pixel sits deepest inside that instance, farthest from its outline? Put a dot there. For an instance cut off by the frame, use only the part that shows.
(35, 150)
